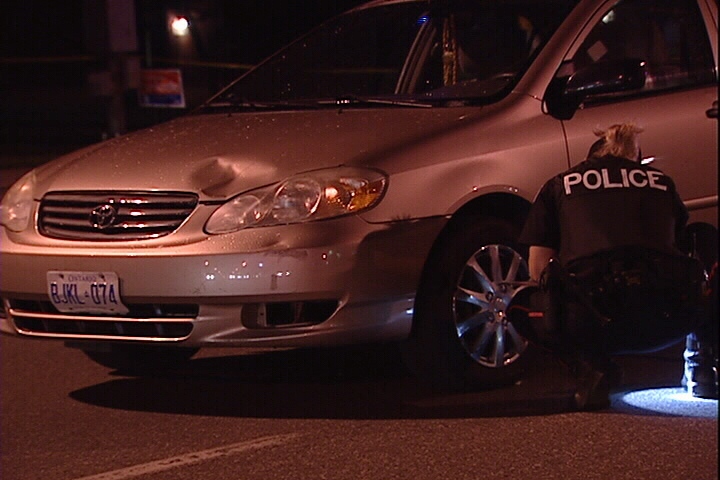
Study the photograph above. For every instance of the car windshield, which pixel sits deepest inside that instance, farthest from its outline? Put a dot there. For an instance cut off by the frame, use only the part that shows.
(403, 53)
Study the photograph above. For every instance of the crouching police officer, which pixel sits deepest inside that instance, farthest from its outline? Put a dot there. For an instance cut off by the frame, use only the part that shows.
(603, 246)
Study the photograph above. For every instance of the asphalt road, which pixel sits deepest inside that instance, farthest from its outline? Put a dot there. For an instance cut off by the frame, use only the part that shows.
(334, 414)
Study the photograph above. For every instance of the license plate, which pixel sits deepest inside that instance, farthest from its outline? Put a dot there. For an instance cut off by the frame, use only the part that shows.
(85, 292)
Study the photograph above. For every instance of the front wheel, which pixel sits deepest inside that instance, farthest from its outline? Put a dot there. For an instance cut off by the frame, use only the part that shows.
(462, 337)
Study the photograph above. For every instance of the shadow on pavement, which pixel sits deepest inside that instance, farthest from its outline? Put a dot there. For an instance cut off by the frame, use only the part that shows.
(351, 383)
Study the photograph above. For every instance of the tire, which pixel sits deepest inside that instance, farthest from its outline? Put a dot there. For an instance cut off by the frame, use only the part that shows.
(461, 337)
(138, 359)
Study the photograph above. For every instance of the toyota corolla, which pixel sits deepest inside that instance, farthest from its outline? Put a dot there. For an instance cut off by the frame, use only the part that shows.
(365, 184)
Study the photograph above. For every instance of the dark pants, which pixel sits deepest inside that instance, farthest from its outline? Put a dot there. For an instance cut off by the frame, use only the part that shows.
(625, 301)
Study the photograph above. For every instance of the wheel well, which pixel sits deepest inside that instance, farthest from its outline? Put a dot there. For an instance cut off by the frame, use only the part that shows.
(495, 205)
(499, 205)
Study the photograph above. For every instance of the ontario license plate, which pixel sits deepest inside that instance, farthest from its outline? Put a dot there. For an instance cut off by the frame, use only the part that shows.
(85, 292)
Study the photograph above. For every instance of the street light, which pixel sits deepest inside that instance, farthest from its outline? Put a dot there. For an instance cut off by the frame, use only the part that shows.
(180, 26)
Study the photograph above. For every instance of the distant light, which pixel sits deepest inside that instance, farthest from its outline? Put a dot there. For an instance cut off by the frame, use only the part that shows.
(180, 26)
(423, 19)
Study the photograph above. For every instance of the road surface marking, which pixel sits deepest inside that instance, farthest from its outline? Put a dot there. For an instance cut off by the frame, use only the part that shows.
(192, 457)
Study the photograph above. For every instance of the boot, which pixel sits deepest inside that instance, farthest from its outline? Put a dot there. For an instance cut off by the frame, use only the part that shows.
(700, 377)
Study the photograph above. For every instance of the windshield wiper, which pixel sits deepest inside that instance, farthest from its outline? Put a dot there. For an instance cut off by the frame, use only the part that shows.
(261, 106)
(345, 101)
(354, 101)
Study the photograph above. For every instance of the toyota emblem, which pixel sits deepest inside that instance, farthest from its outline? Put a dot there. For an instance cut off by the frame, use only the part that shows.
(103, 216)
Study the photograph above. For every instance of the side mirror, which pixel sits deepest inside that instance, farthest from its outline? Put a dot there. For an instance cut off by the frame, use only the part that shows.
(566, 94)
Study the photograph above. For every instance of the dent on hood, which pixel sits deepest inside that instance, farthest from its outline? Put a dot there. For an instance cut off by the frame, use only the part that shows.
(220, 156)
(219, 177)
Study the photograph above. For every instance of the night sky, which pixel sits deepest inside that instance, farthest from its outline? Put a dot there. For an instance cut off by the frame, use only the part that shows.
(52, 27)
(50, 48)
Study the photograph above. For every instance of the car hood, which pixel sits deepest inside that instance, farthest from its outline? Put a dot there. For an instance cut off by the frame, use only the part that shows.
(220, 155)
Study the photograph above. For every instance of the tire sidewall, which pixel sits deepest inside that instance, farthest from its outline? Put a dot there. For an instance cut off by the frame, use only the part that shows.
(434, 351)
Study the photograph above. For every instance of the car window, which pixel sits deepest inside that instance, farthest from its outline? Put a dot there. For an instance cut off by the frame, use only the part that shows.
(358, 54)
(668, 35)
(407, 50)
(481, 48)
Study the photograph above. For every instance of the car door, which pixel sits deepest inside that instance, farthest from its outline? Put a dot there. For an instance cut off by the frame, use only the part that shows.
(675, 105)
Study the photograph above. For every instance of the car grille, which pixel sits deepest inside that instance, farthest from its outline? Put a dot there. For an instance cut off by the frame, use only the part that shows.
(113, 215)
(144, 321)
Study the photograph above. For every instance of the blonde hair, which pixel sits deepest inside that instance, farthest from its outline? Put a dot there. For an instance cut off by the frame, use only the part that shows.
(619, 140)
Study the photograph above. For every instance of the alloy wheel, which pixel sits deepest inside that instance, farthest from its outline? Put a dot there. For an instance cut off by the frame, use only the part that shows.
(490, 279)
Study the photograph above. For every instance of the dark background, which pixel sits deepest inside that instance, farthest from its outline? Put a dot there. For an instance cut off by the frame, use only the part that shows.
(51, 50)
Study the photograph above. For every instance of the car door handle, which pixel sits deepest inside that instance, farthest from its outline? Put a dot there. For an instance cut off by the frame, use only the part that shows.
(713, 112)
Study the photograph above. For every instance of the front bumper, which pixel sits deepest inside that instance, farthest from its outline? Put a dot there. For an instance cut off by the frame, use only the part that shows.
(363, 275)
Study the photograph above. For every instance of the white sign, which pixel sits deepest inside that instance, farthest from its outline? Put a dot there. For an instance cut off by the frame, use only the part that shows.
(85, 292)
(161, 88)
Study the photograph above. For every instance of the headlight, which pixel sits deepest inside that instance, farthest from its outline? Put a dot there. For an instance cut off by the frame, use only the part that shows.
(307, 197)
(17, 204)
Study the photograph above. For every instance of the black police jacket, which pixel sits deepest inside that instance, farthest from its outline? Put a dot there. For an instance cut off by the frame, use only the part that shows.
(606, 203)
